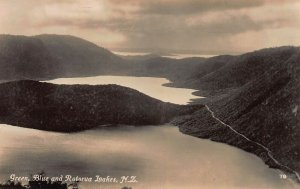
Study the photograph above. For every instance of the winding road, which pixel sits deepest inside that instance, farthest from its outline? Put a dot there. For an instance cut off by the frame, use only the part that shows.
(270, 154)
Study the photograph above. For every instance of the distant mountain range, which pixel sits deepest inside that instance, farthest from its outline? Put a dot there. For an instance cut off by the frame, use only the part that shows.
(252, 99)
(52, 56)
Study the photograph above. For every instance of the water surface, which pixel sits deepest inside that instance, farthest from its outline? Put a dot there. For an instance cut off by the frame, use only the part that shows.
(148, 85)
(160, 157)
(170, 55)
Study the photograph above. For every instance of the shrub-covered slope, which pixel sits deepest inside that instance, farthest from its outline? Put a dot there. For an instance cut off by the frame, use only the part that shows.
(68, 108)
(264, 107)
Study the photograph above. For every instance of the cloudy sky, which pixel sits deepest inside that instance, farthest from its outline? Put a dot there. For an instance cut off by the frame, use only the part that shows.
(203, 26)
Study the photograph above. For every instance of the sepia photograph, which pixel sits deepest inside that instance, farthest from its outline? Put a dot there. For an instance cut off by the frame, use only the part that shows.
(141, 94)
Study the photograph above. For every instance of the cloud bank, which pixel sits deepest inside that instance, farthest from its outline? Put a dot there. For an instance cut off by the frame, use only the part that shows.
(214, 26)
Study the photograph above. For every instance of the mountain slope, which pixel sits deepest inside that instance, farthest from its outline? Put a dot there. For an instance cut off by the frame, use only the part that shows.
(24, 57)
(68, 108)
(263, 107)
(236, 71)
(53, 56)
(80, 57)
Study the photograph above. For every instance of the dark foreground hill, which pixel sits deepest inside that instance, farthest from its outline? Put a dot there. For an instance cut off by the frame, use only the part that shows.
(68, 108)
(259, 110)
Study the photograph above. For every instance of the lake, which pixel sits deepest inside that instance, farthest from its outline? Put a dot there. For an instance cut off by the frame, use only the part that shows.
(150, 86)
(168, 55)
(160, 156)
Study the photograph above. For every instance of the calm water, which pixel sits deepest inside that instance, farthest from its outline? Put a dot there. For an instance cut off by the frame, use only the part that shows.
(147, 85)
(160, 156)
(181, 56)
(172, 55)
